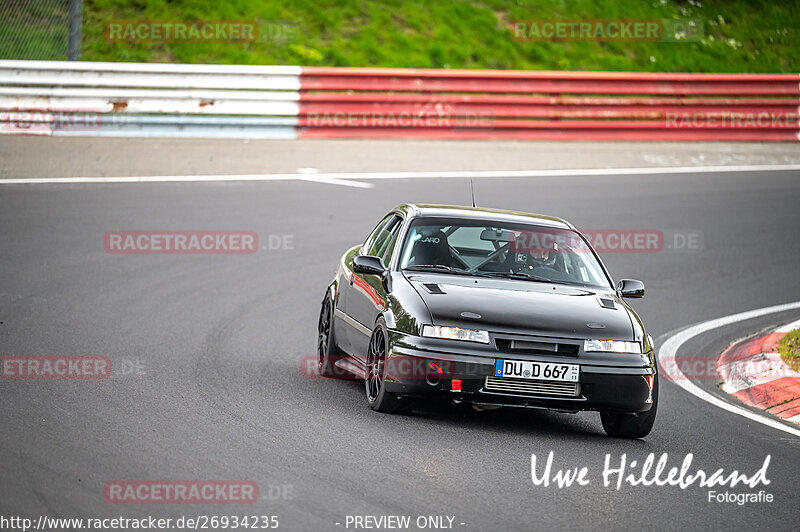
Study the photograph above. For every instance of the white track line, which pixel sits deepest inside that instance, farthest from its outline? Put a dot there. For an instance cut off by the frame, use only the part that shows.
(788, 327)
(674, 342)
(316, 178)
(337, 178)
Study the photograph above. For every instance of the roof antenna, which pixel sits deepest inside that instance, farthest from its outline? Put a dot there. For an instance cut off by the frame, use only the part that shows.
(472, 189)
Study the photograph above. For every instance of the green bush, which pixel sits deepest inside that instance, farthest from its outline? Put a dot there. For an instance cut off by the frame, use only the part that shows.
(789, 349)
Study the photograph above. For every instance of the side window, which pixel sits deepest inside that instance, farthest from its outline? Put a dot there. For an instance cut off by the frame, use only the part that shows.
(385, 237)
(386, 252)
(368, 244)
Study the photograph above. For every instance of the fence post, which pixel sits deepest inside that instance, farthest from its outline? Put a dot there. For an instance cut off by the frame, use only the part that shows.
(75, 26)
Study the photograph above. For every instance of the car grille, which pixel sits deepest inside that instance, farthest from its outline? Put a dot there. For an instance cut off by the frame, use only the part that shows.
(506, 345)
(531, 387)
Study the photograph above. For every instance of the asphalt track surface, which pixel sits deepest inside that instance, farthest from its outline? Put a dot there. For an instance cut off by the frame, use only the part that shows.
(218, 341)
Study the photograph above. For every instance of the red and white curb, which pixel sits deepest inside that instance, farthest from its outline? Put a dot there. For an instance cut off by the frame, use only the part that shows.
(754, 373)
(675, 340)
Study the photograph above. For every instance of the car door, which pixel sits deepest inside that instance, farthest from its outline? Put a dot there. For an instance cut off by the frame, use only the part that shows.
(367, 295)
(346, 330)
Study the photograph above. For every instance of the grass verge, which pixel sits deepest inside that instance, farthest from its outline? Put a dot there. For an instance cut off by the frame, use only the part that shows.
(735, 36)
(789, 348)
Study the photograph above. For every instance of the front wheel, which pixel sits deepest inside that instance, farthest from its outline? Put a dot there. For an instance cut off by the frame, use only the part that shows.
(378, 398)
(638, 425)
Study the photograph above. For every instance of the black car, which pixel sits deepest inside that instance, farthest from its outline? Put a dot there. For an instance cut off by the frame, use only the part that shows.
(488, 307)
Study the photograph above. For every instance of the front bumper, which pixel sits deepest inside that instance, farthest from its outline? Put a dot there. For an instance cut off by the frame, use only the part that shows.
(423, 372)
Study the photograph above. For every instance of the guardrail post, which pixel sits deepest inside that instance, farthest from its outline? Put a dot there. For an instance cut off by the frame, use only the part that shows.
(75, 27)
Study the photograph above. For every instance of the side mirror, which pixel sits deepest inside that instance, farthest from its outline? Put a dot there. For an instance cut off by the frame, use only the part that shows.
(369, 265)
(630, 288)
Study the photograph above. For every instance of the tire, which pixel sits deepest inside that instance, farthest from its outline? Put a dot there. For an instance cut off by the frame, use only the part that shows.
(327, 350)
(378, 398)
(636, 425)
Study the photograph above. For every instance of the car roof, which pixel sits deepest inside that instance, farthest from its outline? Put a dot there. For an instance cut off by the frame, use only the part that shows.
(481, 213)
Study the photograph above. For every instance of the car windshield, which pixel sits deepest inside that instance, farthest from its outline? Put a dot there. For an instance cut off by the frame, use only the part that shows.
(493, 249)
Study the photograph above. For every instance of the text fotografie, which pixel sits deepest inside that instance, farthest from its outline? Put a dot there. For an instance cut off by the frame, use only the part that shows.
(648, 473)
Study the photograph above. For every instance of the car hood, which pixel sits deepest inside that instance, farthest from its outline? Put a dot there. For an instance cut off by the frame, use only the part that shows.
(519, 306)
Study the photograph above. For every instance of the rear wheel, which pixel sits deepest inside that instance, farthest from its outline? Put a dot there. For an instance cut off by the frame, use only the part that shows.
(634, 425)
(326, 340)
(378, 398)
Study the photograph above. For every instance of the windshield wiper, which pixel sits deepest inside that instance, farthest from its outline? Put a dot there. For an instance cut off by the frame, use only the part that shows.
(448, 269)
(507, 275)
(435, 267)
(526, 277)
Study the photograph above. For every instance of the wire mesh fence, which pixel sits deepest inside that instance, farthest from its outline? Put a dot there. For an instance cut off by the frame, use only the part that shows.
(40, 29)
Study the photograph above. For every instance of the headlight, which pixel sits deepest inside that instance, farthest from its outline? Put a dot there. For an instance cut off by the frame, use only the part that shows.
(455, 333)
(612, 346)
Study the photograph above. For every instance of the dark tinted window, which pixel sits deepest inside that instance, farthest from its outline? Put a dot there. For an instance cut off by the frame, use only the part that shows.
(385, 238)
(386, 252)
(496, 247)
(369, 243)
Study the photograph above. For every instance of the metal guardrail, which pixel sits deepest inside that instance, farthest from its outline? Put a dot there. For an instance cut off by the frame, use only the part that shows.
(148, 100)
(548, 105)
(130, 99)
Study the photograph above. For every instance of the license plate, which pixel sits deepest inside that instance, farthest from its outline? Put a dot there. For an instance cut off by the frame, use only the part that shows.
(545, 371)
